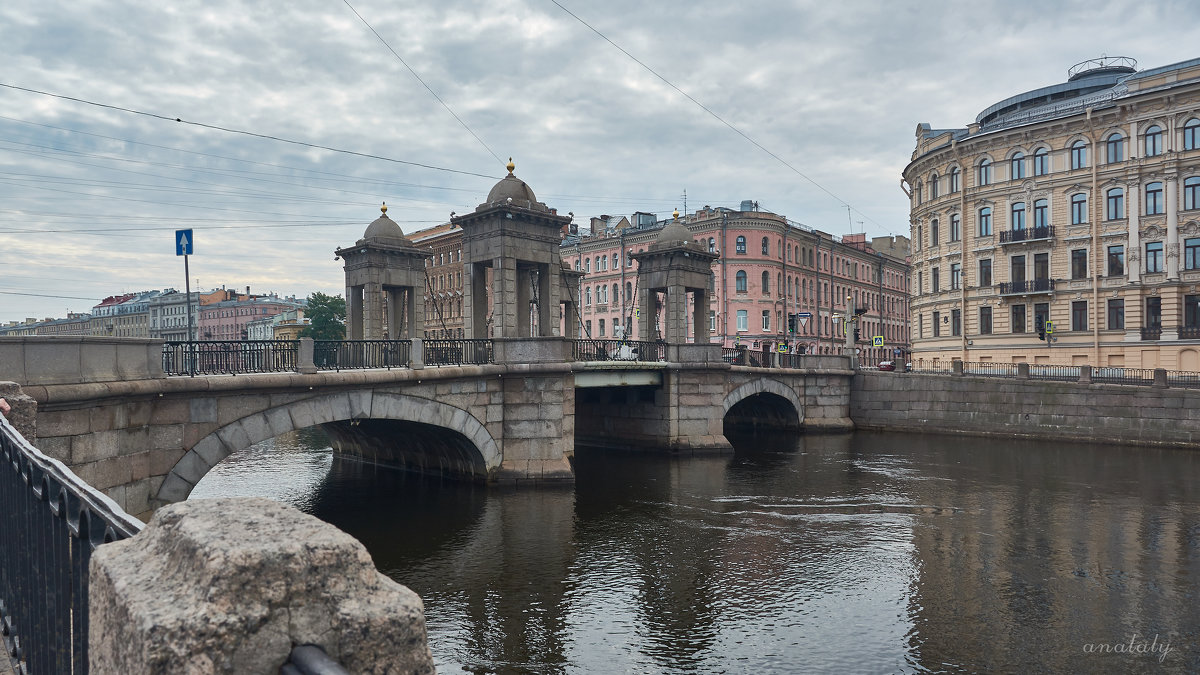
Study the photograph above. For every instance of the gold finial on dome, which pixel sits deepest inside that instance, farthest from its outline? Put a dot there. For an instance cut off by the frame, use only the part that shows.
(383, 208)
(676, 214)
(510, 166)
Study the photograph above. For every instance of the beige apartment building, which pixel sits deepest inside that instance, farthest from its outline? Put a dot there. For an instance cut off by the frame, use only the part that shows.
(1063, 225)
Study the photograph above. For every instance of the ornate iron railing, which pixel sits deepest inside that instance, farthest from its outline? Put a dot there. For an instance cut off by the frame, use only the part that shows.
(734, 356)
(354, 354)
(1027, 234)
(990, 369)
(1189, 332)
(1154, 333)
(619, 350)
(50, 523)
(230, 356)
(1031, 286)
(458, 352)
(1119, 375)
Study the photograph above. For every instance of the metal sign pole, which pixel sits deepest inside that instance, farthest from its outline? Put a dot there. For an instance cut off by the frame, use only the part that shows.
(184, 239)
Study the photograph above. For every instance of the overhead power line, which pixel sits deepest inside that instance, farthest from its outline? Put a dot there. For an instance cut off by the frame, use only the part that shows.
(241, 131)
(708, 110)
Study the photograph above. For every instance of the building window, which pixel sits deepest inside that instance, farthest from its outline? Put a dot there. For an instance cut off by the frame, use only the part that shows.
(937, 324)
(1116, 314)
(1041, 314)
(985, 320)
(1078, 155)
(1114, 149)
(712, 320)
(1041, 162)
(1018, 216)
(740, 245)
(933, 186)
(934, 235)
(1017, 166)
(921, 325)
(587, 296)
(955, 227)
(1191, 254)
(936, 282)
(766, 283)
(1078, 209)
(1079, 315)
(1018, 318)
(743, 320)
(920, 282)
(985, 273)
(1191, 311)
(587, 265)
(740, 281)
(1016, 270)
(712, 245)
(601, 327)
(955, 276)
(587, 326)
(1154, 312)
(616, 261)
(1154, 257)
(1191, 134)
(1041, 213)
(1153, 141)
(956, 322)
(629, 256)
(766, 325)
(985, 221)
(1191, 193)
(1154, 198)
(1116, 261)
(1114, 204)
(985, 171)
(955, 180)
(628, 291)
(1079, 263)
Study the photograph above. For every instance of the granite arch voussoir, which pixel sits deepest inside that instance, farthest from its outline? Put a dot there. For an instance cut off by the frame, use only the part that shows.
(764, 385)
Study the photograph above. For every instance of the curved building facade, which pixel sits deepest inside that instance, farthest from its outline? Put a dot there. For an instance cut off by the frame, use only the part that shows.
(1063, 225)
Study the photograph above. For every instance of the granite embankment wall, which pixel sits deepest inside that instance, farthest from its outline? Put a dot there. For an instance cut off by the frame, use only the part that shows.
(989, 406)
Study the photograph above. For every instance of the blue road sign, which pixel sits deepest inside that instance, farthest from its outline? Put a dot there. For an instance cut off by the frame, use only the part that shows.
(877, 341)
(183, 242)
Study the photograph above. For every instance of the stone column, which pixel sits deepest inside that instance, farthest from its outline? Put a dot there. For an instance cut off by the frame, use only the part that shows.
(354, 313)
(475, 307)
(373, 311)
(647, 306)
(524, 297)
(230, 585)
(700, 317)
(1171, 184)
(504, 295)
(675, 331)
(1133, 257)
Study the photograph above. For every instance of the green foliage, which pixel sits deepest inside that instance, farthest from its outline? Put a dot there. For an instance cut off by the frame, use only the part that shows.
(328, 316)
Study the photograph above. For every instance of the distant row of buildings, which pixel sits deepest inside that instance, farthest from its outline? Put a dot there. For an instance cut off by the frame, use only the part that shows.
(222, 314)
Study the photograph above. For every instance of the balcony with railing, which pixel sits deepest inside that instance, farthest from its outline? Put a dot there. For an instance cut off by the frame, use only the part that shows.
(1026, 287)
(1027, 234)
(1152, 333)
(1189, 332)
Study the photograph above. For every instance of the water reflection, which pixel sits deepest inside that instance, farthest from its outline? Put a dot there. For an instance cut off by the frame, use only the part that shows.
(866, 553)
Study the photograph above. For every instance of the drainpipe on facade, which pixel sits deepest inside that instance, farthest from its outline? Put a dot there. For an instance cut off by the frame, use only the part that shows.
(1097, 259)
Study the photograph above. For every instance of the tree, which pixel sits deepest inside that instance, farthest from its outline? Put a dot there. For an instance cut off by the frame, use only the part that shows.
(327, 314)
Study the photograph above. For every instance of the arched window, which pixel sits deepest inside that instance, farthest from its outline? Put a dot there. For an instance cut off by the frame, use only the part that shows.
(1154, 198)
(1114, 204)
(766, 283)
(955, 180)
(616, 262)
(587, 265)
(616, 292)
(628, 291)
(955, 227)
(587, 296)
(934, 235)
(1018, 216)
(629, 258)
(985, 171)
(1041, 162)
(712, 245)
(1114, 148)
(1078, 155)
(1041, 213)
(1191, 134)
(741, 245)
(740, 281)
(1153, 140)
(985, 221)
(933, 186)
(1017, 166)
(1191, 193)
(1078, 209)
(766, 247)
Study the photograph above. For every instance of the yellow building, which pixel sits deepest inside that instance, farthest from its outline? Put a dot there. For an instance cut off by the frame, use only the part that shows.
(1063, 225)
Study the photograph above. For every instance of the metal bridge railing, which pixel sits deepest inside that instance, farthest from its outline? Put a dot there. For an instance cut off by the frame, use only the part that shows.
(458, 352)
(619, 350)
(354, 354)
(50, 523)
(216, 357)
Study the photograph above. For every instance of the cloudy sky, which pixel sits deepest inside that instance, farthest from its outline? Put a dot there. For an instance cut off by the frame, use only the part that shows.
(90, 196)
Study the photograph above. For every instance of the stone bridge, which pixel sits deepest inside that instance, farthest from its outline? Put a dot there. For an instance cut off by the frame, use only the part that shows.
(104, 408)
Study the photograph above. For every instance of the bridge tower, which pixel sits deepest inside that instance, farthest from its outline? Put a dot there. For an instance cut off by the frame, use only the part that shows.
(514, 238)
(674, 265)
(384, 268)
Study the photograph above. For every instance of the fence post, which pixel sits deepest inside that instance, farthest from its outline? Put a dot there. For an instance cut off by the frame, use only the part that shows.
(1023, 370)
(416, 354)
(1085, 374)
(956, 368)
(304, 357)
(1160, 378)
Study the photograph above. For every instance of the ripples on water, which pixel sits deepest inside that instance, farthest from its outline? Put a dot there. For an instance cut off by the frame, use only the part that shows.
(823, 554)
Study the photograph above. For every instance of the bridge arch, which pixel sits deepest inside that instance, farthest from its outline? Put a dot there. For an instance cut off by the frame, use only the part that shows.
(322, 409)
(770, 389)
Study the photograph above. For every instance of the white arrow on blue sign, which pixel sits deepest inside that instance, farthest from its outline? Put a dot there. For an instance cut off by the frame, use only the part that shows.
(183, 242)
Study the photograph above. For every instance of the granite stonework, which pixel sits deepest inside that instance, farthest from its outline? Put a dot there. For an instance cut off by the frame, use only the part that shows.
(990, 406)
(232, 585)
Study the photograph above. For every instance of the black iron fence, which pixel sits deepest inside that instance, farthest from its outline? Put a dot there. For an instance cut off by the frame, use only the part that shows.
(50, 522)
(1030, 286)
(1060, 373)
(458, 352)
(990, 369)
(1026, 234)
(352, 354)
(619, 350)
(230, 356)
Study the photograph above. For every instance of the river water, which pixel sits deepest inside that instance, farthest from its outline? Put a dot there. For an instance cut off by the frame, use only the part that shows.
(863, 553)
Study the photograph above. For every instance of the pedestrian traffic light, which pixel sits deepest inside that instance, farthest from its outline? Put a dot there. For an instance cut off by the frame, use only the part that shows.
(856, 334)
(1041, 330)
(791, 323)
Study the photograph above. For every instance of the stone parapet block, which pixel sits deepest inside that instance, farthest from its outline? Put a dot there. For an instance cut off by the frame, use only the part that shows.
(230, 585)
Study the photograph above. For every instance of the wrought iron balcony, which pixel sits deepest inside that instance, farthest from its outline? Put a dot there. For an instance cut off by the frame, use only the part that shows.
(1154, 333)
(1189, 332)
(1027, 234)
(1033, 286)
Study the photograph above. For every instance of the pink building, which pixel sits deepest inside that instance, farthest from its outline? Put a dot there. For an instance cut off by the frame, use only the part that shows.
(227, 320)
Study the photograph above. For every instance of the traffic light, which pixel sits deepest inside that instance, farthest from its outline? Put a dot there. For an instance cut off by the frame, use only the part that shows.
(860, 311)
(856, 335)
(1041, 330)
(791, 323)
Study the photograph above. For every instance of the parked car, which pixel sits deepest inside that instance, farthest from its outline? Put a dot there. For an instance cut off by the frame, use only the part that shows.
(887, 365)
